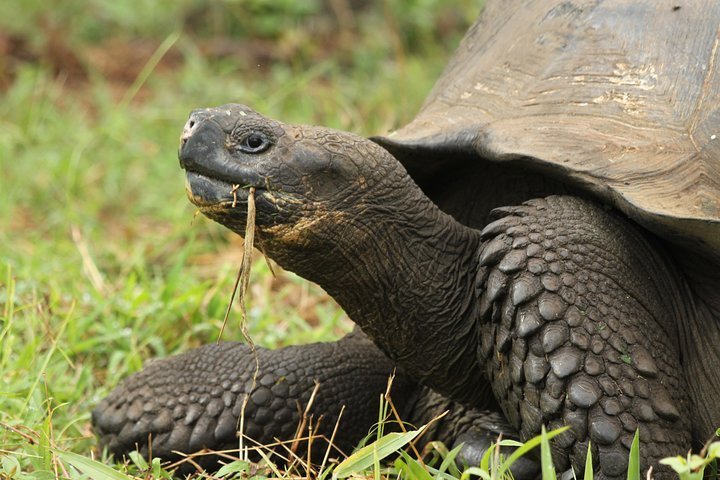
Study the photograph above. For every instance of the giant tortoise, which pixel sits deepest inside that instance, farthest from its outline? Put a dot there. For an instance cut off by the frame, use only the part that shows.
(542, 240)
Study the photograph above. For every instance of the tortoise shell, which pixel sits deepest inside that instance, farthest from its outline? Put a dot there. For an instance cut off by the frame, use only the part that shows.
(618, 97)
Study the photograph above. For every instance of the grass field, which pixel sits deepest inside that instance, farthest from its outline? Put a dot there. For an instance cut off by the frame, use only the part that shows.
(102, 262)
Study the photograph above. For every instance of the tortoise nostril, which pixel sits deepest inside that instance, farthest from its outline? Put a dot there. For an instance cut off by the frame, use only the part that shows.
(188, 130)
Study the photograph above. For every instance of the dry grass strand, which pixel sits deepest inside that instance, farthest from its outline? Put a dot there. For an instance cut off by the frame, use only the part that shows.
(242, 281)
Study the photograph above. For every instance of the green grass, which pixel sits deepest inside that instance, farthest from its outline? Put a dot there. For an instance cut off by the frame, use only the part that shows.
(102, 262)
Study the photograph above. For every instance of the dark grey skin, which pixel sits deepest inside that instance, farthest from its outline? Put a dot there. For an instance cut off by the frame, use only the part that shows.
(194, 401)
(568, 312)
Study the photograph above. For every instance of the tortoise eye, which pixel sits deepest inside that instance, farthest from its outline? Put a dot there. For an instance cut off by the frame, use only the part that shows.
(254, 142)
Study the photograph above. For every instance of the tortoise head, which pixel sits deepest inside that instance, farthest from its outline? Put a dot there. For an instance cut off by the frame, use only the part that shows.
(306, 179)
(341, 211)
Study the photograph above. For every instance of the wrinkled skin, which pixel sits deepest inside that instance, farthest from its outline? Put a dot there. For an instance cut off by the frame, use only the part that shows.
(195, 400)
(558, 311)
(313, 183)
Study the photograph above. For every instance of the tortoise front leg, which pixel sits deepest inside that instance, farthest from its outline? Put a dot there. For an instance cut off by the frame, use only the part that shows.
(193, 401)
(579, 330)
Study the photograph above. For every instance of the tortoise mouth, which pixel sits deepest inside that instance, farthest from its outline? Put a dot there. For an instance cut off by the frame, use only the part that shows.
(210, 192)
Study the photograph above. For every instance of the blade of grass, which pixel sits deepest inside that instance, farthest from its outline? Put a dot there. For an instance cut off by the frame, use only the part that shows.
(412, 468)
(478, 472)
(634, 461)
(322, 471)
(8, 311)
(148, 69)
(48, 355)
(448, 464)
(527, 446)
(269, 463)
(138, 460)
(92, 468)
(589, 474)
(546, 463)
(366, 456)
(376, 461)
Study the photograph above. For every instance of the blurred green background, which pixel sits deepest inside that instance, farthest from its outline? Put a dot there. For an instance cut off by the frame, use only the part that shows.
(102, 261)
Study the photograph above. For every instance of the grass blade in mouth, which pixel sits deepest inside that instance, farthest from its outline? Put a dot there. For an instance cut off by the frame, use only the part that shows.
(247, 262)
(242, 281)
(243, 278)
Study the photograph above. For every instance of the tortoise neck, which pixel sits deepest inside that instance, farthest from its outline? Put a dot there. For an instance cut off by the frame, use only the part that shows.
(405, 272)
